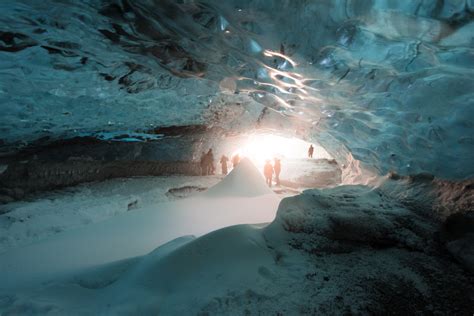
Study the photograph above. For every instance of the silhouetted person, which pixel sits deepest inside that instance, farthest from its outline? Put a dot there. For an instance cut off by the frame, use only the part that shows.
(224, 161)
(282, 49)
(203, 164)
(268, 172)
(235, 160)
(310, 151)
(277, 169)
(210, 162)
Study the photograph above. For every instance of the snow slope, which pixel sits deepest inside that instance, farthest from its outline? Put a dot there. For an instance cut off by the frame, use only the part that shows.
(346, 250)
(136, 233)
(45, 215)
(245, 181)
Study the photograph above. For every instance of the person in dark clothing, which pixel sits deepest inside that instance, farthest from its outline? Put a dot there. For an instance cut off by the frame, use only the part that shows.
(210, 162)
(268, 172)
(310, 151)
(235, 160)
(223, 162)
(277, 169)
(282, 49)
(203, 164)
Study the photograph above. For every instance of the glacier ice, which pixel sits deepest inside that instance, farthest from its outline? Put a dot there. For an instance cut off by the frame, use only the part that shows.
(389, 83)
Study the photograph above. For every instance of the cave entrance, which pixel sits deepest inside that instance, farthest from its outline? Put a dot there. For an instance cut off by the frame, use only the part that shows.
(298, 171)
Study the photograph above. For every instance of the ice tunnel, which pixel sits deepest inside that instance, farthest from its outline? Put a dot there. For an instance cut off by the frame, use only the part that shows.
(389, 82)
(95, 90)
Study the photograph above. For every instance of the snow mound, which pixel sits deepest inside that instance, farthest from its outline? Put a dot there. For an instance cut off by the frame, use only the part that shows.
(244, 180)
(344, 250)
(124, 236)
(233, 257)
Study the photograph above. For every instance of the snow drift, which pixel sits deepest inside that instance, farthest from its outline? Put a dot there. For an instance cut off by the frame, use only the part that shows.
(244, 180)
(334, 251)
(137, 232)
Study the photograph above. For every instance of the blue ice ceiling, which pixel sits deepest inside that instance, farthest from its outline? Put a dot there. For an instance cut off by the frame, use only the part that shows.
(390, 81)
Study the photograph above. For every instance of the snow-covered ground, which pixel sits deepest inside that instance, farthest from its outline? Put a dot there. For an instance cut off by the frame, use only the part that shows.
(25, 222)
(126, 218)
(91, 234)
(350, 249)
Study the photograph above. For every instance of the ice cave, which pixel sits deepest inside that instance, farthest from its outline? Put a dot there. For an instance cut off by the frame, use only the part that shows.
(236, 157)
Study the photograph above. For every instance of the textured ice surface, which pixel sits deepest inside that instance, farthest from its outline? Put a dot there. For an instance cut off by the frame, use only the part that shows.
(389, 81)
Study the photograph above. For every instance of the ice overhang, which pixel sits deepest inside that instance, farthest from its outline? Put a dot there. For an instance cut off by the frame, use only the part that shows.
(390, 84)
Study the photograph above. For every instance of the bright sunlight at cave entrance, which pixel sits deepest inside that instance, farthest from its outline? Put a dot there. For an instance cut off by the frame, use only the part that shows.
(262, 147)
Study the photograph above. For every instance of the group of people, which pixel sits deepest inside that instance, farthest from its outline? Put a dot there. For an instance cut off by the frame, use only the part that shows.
(269, 170)
(224, 160)
(208, 167)
(207, 163)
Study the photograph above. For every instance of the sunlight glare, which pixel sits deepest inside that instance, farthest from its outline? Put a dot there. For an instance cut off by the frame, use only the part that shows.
(262, 147)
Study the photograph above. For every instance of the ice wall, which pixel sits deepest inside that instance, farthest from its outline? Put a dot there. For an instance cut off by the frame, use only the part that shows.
(390, 82)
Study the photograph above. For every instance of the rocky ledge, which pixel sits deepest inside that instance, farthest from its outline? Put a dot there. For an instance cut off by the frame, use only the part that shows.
(47, 165)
